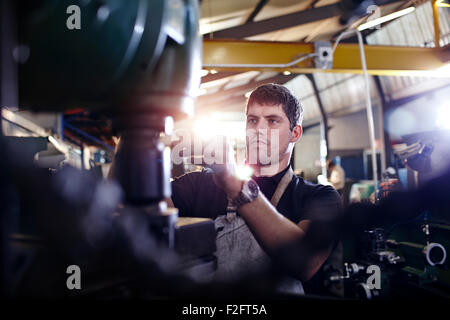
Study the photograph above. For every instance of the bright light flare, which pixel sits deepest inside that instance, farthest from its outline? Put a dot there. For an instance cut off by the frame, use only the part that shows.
(201, 92)
(321, 179)
(443, 71)
(441, 3)
(386, 18)
(244, 172)
(203, 128)
(443, 118)
(206, 128)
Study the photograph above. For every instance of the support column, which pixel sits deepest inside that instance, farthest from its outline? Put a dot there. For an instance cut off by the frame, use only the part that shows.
(323, 126)
(437, 33)
(384, 135)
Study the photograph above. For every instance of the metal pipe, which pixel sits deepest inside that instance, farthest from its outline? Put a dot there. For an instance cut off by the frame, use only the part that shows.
(437, 33)
(384, 136)
(370, 120)
(263, 65)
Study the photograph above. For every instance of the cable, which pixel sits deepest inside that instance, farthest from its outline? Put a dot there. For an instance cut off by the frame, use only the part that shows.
(370, 120)
(339, 38)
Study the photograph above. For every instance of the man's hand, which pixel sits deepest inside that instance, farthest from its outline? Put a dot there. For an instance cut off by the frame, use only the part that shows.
(224, 166)
(218, 155)
(229, 183)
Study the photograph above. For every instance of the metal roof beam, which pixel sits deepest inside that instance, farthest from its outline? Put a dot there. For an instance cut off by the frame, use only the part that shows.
(217, 76)
(226, 94)
(255, 11)
(278, 23)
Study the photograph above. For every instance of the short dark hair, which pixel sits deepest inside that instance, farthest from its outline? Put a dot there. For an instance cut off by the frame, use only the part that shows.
(275, 94)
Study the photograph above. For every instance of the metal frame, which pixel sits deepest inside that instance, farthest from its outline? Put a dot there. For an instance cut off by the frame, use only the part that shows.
(437, 33)
(324, 146)
(225, 95)
(259, 6)
(381, 60)
(309, 15)
(323, 113)
(217, 76)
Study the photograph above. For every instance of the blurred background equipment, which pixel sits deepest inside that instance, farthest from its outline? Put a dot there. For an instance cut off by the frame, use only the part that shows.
(410, 252)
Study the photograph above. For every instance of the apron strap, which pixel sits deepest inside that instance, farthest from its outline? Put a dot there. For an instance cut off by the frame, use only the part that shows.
(282, 186)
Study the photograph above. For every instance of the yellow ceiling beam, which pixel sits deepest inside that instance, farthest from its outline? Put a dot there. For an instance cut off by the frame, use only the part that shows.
(226, 55)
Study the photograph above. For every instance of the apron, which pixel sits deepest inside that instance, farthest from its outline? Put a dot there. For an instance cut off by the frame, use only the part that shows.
(238, 252)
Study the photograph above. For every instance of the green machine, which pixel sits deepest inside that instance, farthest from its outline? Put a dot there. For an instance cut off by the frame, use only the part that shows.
(128, 56)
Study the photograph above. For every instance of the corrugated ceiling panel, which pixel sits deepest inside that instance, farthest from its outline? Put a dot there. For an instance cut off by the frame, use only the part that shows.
(276, 8)
(415, 29)
(220, 14)
(302, 89)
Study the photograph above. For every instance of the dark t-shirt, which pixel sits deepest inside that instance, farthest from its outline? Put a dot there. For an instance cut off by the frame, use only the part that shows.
(196, 195)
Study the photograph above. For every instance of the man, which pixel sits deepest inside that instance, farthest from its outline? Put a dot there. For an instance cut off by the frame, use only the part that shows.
(275, 209)
(337, 176)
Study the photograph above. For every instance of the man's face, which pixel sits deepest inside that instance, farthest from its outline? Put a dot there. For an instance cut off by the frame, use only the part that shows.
(268, 134)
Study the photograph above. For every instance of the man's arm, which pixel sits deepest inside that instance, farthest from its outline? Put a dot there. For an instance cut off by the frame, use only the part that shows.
(273, 231)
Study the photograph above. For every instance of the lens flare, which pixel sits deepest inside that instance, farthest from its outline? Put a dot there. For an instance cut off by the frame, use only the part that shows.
(443, 118)
(244, 172)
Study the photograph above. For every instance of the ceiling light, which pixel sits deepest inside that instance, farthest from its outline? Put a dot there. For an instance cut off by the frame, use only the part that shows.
(440, 3)
(394, 15)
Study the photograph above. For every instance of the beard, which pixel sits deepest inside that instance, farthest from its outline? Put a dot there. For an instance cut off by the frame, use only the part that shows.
(260, 153)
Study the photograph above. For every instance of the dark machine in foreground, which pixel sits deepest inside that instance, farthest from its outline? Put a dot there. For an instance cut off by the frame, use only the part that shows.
(139, 62)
